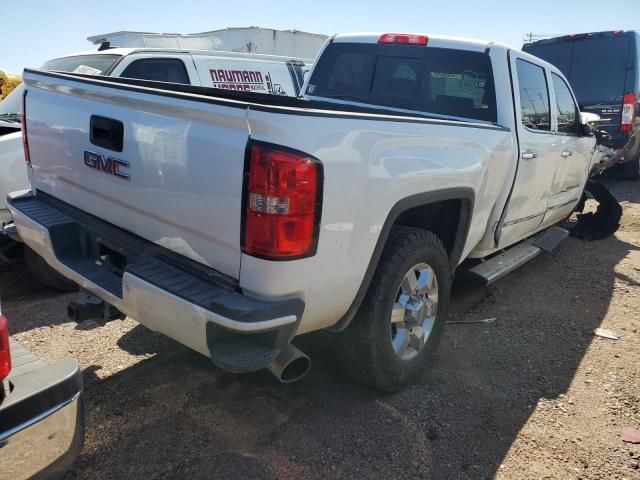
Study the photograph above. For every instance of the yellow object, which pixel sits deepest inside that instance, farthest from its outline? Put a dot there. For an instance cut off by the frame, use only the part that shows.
(8, 82)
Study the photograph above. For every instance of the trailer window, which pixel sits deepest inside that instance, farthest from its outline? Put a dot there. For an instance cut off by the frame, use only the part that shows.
(448, 82)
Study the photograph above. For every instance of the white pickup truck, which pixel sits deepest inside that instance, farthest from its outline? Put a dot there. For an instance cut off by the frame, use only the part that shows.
(233, 222)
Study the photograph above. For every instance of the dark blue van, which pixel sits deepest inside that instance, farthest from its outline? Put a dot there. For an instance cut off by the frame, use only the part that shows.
(604, 71)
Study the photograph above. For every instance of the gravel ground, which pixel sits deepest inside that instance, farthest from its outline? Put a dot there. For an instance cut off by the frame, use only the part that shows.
(533, 395)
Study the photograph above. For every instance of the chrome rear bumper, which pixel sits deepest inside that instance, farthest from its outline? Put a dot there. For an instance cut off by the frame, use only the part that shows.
(41, 417)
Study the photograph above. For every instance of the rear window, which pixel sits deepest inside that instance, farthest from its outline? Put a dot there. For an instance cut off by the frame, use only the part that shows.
(596, 68)
(91, 64)
(430, 80)
(590, 58)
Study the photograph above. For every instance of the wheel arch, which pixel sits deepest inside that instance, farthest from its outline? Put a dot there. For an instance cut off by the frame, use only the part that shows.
(464, 197)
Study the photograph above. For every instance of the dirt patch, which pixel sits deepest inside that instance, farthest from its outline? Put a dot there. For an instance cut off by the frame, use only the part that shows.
(532, 395)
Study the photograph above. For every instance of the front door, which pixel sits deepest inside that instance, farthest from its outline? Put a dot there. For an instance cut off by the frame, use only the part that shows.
(539, 153)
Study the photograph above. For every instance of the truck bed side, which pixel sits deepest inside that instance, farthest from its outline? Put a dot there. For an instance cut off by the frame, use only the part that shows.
(372, 165)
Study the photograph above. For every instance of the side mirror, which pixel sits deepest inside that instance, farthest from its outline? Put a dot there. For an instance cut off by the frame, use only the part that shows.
(588, 117)
(586, 121)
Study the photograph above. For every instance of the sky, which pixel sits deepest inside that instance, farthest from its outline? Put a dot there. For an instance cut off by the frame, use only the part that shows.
(33, 32)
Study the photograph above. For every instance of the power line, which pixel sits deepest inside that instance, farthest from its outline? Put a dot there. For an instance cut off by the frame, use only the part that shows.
(532, 37)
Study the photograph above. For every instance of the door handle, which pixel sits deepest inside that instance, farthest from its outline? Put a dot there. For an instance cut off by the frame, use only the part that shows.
(106, 133)
(529, 155)
(566, 153)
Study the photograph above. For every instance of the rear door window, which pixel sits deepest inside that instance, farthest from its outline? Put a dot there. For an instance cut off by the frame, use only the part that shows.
(566, 109)
(440, 81)
(170, 70)
(534, 96)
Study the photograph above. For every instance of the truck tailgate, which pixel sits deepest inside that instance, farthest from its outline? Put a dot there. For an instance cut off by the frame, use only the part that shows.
(167, 169)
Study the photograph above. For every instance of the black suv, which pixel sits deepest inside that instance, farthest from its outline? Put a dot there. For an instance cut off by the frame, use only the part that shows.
(604, 71)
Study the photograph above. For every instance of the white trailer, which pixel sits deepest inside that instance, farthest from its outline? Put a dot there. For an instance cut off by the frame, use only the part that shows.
(293, 43)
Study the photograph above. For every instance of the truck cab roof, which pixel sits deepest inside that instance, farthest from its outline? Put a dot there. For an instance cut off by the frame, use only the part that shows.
(439, 41)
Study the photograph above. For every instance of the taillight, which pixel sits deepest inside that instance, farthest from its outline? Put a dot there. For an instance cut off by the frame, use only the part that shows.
(5, 355)
(23, 119)
(628, 112)
(283, 192)
(403, 38)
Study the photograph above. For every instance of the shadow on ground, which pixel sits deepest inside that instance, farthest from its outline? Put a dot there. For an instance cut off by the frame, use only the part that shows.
(175, 415)
(18, 287)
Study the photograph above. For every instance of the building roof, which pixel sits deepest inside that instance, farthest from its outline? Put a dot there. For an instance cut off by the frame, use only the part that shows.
(98, 39)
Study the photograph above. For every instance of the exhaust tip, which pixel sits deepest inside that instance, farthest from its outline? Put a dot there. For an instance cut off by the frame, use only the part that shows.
(295, 370)
(290, 365)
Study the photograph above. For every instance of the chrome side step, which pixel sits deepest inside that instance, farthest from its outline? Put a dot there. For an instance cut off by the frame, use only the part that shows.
(550, 238)
(498, 266)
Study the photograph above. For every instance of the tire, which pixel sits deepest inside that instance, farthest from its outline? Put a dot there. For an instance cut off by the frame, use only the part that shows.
(367, 344)
(631, 169)
(47, 275)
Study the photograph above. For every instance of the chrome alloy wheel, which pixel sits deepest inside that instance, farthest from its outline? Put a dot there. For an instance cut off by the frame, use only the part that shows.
(414, 311)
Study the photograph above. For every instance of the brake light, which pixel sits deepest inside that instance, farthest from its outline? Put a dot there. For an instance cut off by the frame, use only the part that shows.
(283, 193)
(403, 39)
(5, 355)
(628, 112)
(23, 119)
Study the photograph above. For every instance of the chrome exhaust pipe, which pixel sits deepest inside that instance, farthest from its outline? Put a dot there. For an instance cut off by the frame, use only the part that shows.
(290, 365)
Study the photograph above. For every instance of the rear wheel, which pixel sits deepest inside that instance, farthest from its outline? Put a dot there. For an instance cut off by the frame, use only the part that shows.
(402, 317)
(631, 169)
(47, 275)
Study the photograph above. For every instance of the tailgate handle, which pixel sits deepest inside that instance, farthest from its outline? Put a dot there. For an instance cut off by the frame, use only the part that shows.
(106, 133)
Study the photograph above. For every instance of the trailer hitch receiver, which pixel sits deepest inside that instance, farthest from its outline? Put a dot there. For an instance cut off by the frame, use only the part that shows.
(89, 307)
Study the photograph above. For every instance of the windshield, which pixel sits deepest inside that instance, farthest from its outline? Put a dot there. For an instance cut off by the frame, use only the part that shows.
(582, 62)
(88, 64)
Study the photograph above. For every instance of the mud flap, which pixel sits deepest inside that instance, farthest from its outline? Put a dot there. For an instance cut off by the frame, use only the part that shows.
(602, 223)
